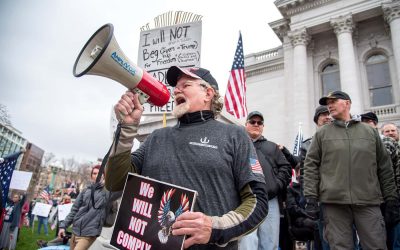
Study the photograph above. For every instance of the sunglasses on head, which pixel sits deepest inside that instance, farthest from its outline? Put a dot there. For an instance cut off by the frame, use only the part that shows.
(252, 122)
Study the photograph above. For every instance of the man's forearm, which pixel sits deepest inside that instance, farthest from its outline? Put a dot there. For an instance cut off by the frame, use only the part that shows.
(125, 141)
(119, 164)
(251, 212)
(118, 167)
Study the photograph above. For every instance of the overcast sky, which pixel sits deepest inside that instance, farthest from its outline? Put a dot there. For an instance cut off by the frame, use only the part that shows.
(70, 116)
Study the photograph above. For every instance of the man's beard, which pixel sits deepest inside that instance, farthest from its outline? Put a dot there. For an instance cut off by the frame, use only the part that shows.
(181, 109)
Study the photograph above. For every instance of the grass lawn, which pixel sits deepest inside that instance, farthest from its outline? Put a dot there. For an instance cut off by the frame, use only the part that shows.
(27, 239)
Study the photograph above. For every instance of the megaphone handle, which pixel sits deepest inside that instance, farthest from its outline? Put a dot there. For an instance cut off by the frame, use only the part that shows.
(143, 97)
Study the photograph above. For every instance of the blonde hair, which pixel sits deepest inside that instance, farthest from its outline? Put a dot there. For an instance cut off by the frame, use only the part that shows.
(217, 103)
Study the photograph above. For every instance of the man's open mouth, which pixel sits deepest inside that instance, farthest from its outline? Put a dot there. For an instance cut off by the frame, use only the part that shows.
(179, 100)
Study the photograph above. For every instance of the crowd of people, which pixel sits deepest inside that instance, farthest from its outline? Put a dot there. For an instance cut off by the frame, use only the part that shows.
(18, 212)
(344, 195)
(339, 192)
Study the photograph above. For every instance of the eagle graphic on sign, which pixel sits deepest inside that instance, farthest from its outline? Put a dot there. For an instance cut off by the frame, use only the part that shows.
(166, 217)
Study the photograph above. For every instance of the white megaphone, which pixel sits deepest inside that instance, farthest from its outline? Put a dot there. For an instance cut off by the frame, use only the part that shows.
(102, 56)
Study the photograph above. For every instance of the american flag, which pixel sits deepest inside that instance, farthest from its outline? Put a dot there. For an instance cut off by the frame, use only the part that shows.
(6, 171)
(255, 166)
(235, 97)
(298, 141)
(45, 194)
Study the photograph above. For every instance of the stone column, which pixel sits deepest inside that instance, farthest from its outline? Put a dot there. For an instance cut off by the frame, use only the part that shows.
(301, 110)
(391, 12)
(343, 28)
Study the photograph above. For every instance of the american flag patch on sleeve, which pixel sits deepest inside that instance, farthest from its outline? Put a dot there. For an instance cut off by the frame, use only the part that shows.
(255, 166)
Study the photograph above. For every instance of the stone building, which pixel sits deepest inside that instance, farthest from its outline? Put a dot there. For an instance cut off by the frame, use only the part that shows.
(31, 162)
(327, 45)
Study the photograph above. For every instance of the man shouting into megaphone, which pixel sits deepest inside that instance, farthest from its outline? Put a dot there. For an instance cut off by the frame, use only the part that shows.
(215, 159)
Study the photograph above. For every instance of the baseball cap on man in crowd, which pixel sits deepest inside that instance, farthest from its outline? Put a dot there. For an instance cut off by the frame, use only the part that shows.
(175, 72)
(318, 111)
(369, 116)
(255, 113)
(334, 95)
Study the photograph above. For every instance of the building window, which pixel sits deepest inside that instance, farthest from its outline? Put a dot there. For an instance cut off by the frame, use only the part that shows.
(330, 78)
(379, 83)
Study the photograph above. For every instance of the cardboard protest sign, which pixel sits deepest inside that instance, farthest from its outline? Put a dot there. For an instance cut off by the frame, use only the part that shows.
(147, 211)
(41, 209)
(20, 180)
(161, 48)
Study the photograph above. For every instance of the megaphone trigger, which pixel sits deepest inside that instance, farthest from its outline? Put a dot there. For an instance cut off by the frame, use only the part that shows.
(143, 97)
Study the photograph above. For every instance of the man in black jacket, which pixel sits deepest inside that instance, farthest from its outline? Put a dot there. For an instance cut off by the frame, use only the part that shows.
(277, 172)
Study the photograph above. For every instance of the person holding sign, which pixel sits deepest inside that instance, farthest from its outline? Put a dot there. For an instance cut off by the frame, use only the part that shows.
(217, 160)
(9, 233)
(87, 218)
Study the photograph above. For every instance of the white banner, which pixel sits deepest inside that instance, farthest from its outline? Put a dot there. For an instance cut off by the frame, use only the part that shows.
(20, 180)
(41, 209)
(63, 211)
(161, 48)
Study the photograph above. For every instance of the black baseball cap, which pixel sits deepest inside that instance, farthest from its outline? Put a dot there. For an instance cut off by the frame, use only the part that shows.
(334, 95)
(175, 72)
(318, 111)
(369, 116)
(255, 113)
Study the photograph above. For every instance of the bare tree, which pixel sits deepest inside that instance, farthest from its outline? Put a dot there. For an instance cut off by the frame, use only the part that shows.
(47, 159)
(5, 117)
(70, 164)
(84, 170)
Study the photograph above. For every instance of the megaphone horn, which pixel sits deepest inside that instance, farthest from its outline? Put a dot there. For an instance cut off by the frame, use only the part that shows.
(102, 56)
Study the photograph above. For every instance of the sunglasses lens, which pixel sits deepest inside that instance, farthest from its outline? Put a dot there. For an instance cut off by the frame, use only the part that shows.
(258, 122)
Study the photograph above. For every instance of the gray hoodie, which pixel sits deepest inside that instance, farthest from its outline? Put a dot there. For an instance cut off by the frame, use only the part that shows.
(86, 219)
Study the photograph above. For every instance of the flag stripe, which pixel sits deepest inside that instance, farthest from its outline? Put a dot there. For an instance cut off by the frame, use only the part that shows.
(235, 97)
(256, 167)
(239, 90)
(45, 194)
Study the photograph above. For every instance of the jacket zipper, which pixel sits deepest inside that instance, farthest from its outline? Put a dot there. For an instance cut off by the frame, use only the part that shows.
(349, 159)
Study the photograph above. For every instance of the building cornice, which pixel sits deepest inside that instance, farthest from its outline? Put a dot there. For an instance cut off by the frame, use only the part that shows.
(280, 27)
(291, 7)
(262, 70)
(391, 10)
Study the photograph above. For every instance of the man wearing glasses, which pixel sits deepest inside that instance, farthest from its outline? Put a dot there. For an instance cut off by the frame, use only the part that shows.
(277, 172)
(215, 159)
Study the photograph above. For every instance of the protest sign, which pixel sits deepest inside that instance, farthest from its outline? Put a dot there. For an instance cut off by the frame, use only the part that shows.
(20, 180)
(161, 48)
(63, 211)
(147, 211)
(41, 209)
